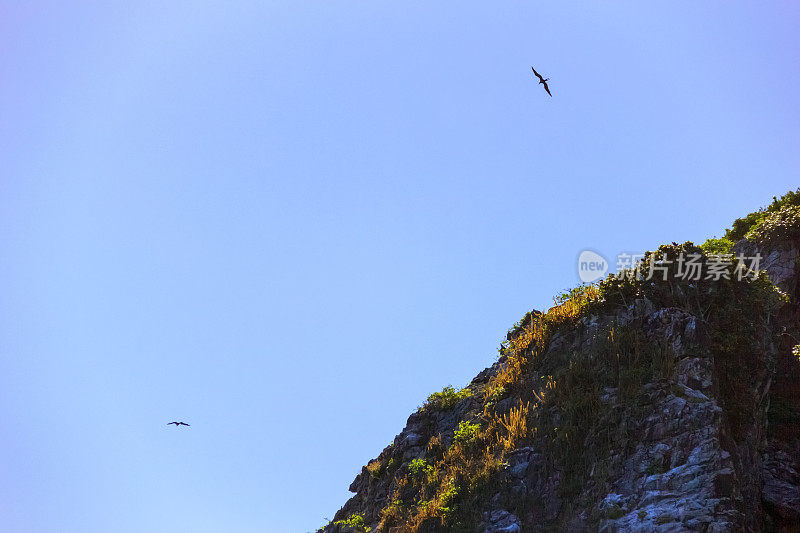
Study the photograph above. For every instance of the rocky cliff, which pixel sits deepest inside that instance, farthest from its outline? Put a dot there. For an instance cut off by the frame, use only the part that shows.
(651, 401)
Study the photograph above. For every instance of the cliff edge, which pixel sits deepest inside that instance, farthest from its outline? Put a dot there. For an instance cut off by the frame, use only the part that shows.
(650, 401)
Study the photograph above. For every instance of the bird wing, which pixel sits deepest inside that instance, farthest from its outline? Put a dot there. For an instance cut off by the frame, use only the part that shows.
(168, 423)
(537, 74)
(184, 423)
(546, 88)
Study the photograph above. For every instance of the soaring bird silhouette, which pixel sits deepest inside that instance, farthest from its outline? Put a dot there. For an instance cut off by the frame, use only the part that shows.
(178, 423)
(542, 81)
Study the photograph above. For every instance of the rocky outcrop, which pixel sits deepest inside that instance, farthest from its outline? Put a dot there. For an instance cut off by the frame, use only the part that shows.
(678, 474)
(779, 260)
(700, 441)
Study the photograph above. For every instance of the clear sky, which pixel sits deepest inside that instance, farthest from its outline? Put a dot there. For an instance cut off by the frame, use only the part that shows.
(288, 223)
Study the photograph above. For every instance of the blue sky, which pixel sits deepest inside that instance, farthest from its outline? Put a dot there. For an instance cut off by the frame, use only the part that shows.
(288, 223)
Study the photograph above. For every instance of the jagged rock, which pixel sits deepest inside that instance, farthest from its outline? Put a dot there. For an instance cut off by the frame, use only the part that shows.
(781, 490)
(779, 260)
(501, 521)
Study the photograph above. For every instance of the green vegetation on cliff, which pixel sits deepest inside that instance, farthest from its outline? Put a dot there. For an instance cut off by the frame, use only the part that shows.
(769, 223)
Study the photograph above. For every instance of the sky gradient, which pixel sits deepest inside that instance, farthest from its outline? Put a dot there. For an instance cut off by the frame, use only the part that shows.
(288, 223)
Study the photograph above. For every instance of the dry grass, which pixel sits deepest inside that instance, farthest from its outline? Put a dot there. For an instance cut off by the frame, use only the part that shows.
(515, 424)
(465, 467)
(532, 340)
(375, 468)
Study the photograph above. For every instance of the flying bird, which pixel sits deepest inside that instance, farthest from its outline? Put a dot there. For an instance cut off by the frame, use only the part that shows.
(542, 81)
(178, 423)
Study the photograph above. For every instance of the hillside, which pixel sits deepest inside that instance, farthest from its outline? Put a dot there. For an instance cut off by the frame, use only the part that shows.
(664, 399)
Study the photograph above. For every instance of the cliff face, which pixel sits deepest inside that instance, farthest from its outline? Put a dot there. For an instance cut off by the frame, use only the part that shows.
(660, 404)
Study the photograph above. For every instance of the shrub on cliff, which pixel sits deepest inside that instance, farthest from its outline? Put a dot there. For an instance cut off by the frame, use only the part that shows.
(781, 225)
(741, 226)
(446, 399)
